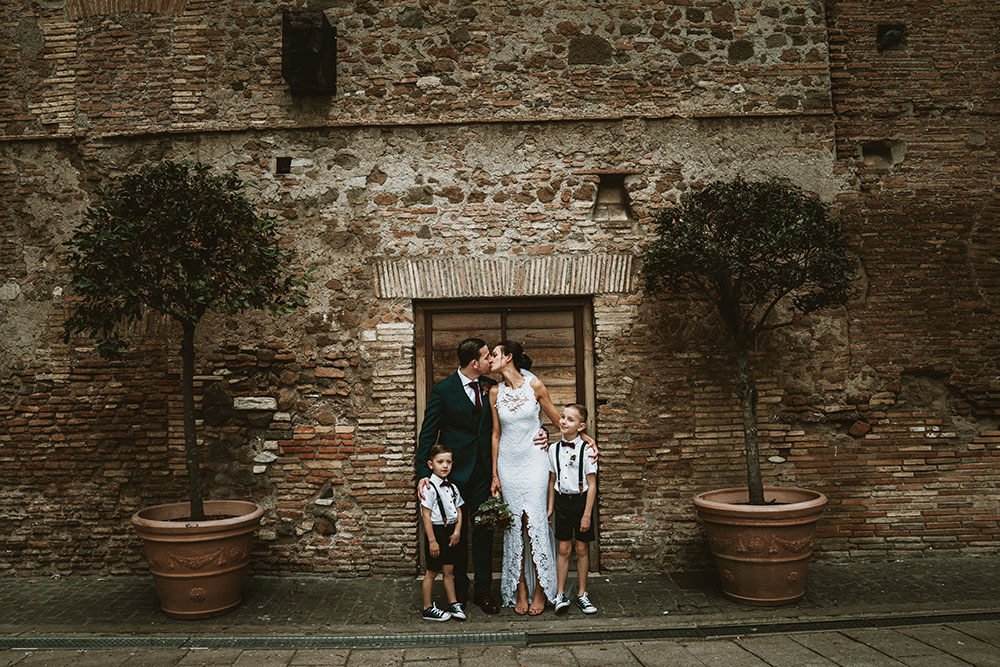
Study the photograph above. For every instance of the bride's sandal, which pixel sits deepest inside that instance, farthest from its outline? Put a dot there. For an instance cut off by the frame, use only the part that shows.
(535, 611)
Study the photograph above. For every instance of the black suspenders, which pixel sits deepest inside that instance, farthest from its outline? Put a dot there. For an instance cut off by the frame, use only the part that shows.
(579, 484)
(437, 492)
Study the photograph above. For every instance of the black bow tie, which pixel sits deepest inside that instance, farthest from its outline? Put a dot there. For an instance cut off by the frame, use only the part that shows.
(446, 483)
(567, 444)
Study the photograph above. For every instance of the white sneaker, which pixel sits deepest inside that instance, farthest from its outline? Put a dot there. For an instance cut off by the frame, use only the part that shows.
(586, 606)
(432, 613)
(456, 611)
(561, 603)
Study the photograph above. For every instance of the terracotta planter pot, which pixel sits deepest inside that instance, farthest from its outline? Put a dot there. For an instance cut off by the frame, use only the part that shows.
(761, 551)
(198, 566)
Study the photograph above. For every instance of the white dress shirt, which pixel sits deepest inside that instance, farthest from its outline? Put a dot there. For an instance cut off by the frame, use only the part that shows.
(570, 460)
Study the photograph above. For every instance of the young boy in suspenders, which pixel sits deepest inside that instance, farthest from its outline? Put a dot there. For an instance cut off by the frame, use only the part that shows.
(572, 493)
(441, 512)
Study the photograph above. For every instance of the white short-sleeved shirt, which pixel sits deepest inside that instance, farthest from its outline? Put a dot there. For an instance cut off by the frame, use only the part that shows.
(570, 459)
(451, 500)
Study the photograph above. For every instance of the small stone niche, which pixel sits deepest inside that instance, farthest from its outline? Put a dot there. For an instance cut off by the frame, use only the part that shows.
(612, 201)
(283, 165)
(889, 36)
(883, 153)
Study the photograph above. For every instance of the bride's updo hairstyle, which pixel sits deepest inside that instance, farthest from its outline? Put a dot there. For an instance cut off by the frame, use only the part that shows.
(518, 357)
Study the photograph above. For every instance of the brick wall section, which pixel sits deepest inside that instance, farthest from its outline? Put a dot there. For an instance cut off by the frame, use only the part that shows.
(889, 405)
(217, 64)
(924, 476)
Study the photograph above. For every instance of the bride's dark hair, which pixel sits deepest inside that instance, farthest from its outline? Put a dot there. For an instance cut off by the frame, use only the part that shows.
(519, 358)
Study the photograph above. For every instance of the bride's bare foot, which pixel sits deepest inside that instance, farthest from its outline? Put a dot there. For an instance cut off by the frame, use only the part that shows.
(521, 604)
(537, 602)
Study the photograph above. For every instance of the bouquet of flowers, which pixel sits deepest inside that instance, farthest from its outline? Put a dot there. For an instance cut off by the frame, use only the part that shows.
(494, 513)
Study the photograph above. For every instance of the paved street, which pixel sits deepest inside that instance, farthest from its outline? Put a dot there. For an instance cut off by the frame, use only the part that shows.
(936, 611)
(938, 645)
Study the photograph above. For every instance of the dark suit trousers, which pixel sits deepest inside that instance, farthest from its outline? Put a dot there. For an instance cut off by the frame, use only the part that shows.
(474, 493)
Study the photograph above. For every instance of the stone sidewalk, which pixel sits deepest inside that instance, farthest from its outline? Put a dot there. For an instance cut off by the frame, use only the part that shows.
(939, 645)
(294, 619)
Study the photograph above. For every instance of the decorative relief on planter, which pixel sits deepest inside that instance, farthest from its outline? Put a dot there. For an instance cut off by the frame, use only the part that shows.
(759, 545)
(221, 557)
(198, 594)
(504, 277)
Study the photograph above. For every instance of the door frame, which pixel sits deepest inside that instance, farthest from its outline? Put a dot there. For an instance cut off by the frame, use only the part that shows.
(583, 324)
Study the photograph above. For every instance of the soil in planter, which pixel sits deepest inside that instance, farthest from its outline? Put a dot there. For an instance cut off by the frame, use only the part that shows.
(208, 517)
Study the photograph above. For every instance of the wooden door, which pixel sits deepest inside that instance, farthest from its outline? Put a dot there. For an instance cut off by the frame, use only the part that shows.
(556, 333)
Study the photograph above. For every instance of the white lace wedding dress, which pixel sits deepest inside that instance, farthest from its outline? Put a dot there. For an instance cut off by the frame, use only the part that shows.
(524, 478)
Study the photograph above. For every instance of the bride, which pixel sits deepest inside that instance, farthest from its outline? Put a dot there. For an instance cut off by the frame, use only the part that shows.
(520, 469)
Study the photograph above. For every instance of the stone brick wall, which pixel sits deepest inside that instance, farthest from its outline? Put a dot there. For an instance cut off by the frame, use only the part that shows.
(475, 129)
(73, 67)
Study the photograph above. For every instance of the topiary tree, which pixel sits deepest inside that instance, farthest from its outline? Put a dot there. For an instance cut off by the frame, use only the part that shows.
(748, 247)
(177, 239)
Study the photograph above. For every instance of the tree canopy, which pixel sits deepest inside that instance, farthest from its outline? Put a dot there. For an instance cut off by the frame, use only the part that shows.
(747, 246)
(177, 239)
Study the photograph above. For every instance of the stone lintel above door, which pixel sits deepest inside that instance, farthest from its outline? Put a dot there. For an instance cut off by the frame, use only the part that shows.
(462, 277)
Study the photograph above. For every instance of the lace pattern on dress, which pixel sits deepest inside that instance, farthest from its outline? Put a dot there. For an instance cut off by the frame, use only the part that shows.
(524, 476)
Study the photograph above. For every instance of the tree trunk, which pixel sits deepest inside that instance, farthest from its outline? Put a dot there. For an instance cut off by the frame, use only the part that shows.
(190, 437)
(747, 390)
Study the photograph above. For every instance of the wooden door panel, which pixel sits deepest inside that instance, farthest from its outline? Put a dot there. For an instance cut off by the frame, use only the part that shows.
(532, 338)
(540, 320)
(463, 321)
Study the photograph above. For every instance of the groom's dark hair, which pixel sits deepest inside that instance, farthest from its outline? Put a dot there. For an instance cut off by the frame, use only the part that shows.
(468, 350)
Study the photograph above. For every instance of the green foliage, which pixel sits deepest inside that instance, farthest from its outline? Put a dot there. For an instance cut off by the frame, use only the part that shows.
(177, 239)
(747, 246)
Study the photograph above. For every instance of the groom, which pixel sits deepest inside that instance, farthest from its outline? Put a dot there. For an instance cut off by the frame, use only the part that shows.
(458, 415)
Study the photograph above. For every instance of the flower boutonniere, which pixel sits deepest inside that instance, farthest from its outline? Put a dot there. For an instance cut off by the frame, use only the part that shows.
(484, 389)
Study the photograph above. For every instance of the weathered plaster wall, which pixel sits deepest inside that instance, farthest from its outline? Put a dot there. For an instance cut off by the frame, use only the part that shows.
(455, 144)
(335, 381)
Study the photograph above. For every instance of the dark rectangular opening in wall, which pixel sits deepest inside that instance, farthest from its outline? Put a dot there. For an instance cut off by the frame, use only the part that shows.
(889, 35)
(283, 165)
(308, 52)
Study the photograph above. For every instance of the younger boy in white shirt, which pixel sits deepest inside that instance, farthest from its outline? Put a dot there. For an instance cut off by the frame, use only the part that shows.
(572, 493)
(441, 513)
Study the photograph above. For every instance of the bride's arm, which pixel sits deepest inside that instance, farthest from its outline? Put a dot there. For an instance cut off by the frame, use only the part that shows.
(542, 394)
(495, 485)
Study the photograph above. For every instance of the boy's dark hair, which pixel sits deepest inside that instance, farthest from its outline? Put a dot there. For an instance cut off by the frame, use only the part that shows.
(436, 449)
(580, 409)
(468, 350)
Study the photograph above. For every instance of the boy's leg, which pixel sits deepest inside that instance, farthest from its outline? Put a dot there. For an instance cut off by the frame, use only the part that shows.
(562, 563)
(582, 565)
(448, 578)
(427, 587)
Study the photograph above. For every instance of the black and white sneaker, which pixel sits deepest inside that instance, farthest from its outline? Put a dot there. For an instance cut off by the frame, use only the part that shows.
(457, 611)
(561, 603)
(586, 606)
(432, 613)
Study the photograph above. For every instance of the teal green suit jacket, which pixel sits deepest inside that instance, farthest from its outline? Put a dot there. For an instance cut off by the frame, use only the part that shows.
(451, 419)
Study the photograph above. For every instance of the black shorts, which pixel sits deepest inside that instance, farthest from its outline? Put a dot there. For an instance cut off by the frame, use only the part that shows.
(568, 512)
(449, 554)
